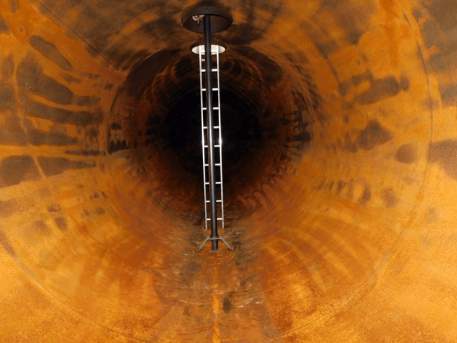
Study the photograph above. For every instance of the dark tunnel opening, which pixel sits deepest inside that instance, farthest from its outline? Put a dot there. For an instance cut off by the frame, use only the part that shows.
(179, 132)
(265, 128)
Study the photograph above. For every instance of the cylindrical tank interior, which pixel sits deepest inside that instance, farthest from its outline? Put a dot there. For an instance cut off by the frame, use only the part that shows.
(340, 157)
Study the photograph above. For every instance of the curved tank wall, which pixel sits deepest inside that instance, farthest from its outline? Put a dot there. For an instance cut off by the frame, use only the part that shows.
(341, 173)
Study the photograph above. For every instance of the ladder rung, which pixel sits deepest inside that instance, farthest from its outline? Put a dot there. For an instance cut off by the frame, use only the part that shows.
(215, 127)
(218, 201)
(214, 108)
(217, 219)
(217, 183)
(216, 164)
(216, 146)
(214, 89)
(213, 70)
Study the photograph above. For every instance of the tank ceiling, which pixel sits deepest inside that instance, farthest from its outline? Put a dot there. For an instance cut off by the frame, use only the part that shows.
(340, 133)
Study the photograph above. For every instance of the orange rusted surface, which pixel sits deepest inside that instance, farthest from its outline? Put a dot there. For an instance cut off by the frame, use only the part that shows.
(341, 208)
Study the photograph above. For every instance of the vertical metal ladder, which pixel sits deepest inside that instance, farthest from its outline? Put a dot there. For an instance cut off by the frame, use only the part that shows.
(217, 128)
(208, 19)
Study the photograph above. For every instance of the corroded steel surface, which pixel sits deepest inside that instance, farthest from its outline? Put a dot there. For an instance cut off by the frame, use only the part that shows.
(344, 220)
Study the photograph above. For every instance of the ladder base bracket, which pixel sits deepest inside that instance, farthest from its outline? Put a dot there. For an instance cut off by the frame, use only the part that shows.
(209, 239)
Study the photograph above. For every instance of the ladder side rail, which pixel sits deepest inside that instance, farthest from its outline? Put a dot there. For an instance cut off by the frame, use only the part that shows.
(210, 132)
(220, 137)
(203, 136)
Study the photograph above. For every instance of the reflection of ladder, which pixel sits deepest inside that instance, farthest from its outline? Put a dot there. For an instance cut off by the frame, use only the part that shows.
(217, 129)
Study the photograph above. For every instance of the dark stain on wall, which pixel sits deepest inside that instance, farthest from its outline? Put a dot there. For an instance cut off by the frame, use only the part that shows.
(430, 32)
(3, 27)
(444, 153)
(117, 145)
(100, 211)
(7, 97)
(449, 94)
(389, 198)
(443, 11)
(15, 169)
(441, 61)
(430, 104)
(373, 135)
(57, 165)
(30, 78)
(7, 68)
(406, 153)
(70, 79)
(54, 208)
(299, 135)
(340, 186)
(117, 141)
(50, 51)
(60, 115)
(14, 5)
(354, 81)
(438, 32)
(61, 223)
(87, 101)
(227, 304)
(40, 137)
(41, 227)
(144, 73)
(353, 17)
(320, 37)
(6, 245)
(381, 89)
(11, 132)
(366, 196)
(84, 152)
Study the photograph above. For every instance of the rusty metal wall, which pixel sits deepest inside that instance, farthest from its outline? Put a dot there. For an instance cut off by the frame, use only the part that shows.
(344, 222)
